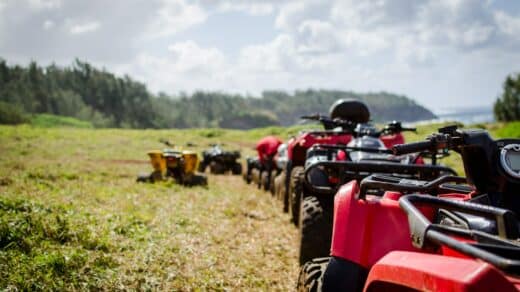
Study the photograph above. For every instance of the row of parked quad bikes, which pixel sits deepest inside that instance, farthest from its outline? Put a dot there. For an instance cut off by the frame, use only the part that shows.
(375, 213)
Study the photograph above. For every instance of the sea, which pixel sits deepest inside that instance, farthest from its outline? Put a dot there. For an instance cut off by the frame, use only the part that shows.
(466, 115)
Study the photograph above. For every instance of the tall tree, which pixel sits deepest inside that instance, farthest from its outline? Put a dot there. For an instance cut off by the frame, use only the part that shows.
(507, 106)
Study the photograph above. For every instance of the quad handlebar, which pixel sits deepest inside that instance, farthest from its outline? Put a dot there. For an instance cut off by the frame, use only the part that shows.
(329, 123)
(393, 127)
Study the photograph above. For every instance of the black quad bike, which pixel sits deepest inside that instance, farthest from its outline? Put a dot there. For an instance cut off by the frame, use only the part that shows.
(220, 161)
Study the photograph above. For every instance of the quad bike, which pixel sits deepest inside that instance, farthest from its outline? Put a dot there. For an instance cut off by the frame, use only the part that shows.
(181, 165)
(446, 234)
(253, 169)
(255, 173)
(364, 136)
(329, 165)
(277, 188)
(220, 161)
(260, 169)
(344, 114)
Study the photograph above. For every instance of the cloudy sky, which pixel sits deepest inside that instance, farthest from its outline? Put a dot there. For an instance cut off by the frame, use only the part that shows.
(443, 53)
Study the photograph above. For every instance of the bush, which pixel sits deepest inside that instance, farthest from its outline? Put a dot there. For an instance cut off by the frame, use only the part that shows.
(11, 114)
(52, 121)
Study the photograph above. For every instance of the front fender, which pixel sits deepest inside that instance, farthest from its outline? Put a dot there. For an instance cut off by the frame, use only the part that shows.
(430, 272)
(365, 230)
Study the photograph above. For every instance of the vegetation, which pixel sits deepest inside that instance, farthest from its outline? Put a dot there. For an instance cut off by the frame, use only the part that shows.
(73, 218)
(11, 114)
(507, 106)
(510, 130)
(105, 100)
(51, 121)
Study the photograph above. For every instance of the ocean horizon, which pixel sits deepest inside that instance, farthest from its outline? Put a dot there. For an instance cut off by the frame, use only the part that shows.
(467, 116)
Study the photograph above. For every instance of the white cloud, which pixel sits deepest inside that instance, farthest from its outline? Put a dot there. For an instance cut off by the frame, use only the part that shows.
(507, 24)
(188, 57)
(44, 4)
(174, 16)
(404, 46)
(185, 67)
(85, 27)
(48, 24)
(249, 7)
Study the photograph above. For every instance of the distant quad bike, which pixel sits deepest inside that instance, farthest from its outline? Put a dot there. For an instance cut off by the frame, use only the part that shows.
(181, 165)
(344, 114)
(277, 188)
(253, 169)
(220, 161)
(262, 169)
(446, 234)
(329, 165)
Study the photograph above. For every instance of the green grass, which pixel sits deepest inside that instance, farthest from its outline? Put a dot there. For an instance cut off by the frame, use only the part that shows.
(53, 121)
(511, 130)
(73, 218)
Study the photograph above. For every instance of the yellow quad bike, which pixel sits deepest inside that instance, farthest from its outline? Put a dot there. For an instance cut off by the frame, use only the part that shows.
(181, 165)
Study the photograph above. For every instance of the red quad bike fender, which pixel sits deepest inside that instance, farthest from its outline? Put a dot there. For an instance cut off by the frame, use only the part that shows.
(392, 140)
(297, 147)
(367, 229)
(429, 272)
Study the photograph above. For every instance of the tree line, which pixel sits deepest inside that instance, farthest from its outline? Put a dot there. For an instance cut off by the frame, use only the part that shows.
(95, 95)
(507, 106)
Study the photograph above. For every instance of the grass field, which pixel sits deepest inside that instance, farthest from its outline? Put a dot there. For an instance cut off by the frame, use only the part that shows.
(72, 216)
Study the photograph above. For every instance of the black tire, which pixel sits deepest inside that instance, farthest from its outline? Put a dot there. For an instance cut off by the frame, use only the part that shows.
(344, 275)
(236, 169)
(255, 176)
(199, 180)
(264, 180)
(315, 228)
(296, 194)
(202, 167)
(247, 176)
(279, 186)
(216, 168)
(311, 275)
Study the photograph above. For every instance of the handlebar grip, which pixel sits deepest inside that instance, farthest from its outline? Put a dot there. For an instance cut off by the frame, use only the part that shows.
(409, 129)
(412, 147)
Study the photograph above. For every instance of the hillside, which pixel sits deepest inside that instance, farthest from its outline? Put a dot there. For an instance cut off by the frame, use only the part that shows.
(106, 100)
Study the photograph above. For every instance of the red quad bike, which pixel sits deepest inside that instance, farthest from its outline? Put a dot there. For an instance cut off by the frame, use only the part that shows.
(328, 165)
(260, 169)
(344, 115)
(429, 235)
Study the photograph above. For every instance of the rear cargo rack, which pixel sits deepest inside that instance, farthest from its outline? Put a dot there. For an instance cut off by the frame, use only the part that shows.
(349, 170)
(502, 250)
(441, 184)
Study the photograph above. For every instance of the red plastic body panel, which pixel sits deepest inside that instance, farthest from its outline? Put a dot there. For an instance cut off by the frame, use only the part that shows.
(267, 147)
(392, 140)
(297, 147)
(429, 272)
(374, 233)
(366, 230)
